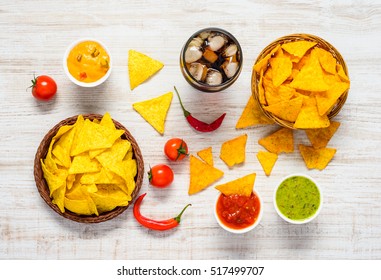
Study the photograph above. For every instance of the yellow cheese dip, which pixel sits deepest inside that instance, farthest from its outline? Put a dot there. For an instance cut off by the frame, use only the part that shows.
(88, 62)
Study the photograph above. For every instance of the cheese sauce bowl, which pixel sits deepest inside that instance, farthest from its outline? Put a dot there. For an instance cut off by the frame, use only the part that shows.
(87, 62)
(298, 199)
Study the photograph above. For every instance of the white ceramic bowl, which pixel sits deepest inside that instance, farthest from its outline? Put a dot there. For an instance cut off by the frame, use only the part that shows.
(74, 80)
(244, 230)
(304, 221)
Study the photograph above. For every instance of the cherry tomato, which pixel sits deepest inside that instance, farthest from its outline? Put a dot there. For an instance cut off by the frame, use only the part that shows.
(176, 149)
(43, 87)
(160, 175)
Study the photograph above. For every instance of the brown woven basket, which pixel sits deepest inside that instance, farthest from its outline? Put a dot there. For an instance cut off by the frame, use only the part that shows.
(291, 38)
(43, 188)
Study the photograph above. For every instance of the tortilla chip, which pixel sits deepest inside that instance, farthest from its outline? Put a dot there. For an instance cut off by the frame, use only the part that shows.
(267, 160)
(62, 147)
(262, 64)
(234, 151)
(316, 158)
(320, 137)
(281, 141)
(326, 100)
(287, 110)
(94, 136)
(327, 61)
(241, 186)
(252, 115)
(206, 155)
(108, 197)
(341, 73)
(84, 164)
(155, 110)
(202, 175)
(282, 69)
(261, 91)
(309, 116)
(141, 67)
(298, 48)
(81, 206)
(310, 76)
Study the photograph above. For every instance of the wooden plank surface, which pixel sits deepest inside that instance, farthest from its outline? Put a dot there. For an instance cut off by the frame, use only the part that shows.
(34, 36)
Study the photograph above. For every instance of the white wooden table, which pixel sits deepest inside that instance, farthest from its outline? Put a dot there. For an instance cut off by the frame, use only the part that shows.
(34, 36)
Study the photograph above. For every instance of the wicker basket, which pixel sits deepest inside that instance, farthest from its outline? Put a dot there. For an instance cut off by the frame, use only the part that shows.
(291, 38)
(43, 188)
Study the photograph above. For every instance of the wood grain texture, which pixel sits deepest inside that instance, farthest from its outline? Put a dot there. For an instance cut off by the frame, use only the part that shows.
(34, 36)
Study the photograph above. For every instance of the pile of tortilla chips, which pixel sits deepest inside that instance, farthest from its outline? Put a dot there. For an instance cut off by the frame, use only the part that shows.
(316, 156)
(89, 168)
(301, 83)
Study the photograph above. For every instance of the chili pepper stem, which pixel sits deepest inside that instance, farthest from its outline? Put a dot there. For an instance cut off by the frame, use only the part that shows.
(178, 217)
(186, 113)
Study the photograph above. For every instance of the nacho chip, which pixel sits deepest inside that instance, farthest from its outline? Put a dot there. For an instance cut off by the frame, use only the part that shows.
(262, 64)
(287, 110)
(108, 197)
(141, 67)
(327, 61)
(252, 115)
(84, 164)
(316, 158)
(298, 48)
(311, 76)
(267, 160)
(327, 99)
(81, 206)
(341, 73)
(94, 136)
(155, 110)
(62, 147)
(281, 141)
(202, 175)
(234, 151)
(55, 178)
(241, 186)
(261, 91)
(320, 137)
(206, 155)
(309, 116)
(282, 69)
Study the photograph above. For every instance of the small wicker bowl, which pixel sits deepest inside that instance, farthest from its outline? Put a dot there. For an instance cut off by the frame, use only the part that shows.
(291, 38)
(42, 185)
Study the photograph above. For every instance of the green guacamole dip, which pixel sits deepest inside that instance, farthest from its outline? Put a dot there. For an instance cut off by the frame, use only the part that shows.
(298, 198)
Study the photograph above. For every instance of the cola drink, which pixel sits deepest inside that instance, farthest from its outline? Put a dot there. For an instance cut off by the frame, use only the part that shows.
(211, 59)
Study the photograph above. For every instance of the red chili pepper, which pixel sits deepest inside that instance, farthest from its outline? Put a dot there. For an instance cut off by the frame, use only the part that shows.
(152, 224)
(200, 125)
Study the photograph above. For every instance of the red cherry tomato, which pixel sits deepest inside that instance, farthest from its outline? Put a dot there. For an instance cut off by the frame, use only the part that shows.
(160, 176)
(43, 87)
(176, 149)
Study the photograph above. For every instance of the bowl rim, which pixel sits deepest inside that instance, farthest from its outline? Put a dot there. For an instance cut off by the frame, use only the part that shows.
(202, 86)
(43, 188)
(298, 222)
(291, 38)
(243, 230)
(74, 80)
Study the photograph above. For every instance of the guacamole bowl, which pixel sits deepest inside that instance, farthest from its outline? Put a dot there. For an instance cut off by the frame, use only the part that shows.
(298, 199)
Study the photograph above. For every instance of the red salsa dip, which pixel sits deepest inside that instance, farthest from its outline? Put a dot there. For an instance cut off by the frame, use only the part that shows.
(238, 211)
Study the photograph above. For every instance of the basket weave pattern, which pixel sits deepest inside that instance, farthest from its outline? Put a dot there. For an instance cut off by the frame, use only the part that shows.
(292, 38)
(43, 187)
